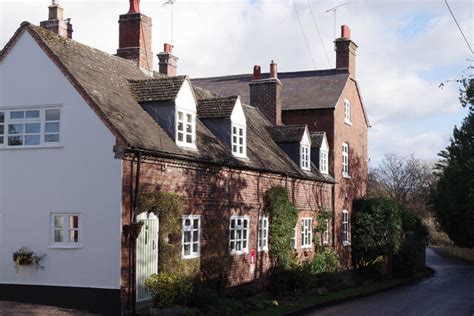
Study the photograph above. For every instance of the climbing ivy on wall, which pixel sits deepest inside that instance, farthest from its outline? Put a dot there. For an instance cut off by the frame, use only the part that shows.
(169, 207)
(283, 217)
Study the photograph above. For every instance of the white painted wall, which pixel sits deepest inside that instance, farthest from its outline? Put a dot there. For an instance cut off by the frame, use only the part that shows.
(185, 98)
(82, 176)
(238, 116)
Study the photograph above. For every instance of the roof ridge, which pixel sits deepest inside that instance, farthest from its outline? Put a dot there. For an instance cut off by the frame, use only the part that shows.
(329, 71)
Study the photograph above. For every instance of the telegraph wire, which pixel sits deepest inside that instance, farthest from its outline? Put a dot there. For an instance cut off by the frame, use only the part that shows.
(459, 27)
(304, 35)
(319, 34)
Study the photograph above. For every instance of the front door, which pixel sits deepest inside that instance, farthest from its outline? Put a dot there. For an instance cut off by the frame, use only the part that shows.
(146, 253)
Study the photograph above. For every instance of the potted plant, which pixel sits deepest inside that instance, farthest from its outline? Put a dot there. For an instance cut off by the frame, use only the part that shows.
(25, 257)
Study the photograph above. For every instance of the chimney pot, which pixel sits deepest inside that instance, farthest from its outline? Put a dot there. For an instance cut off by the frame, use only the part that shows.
(257, 74)
(55, 22)
(345, 32)
(134, 6)
(273, 70)
(168, 48)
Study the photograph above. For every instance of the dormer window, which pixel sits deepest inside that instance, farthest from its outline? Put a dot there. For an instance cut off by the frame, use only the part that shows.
(304, 157)
(185, 128)
(347, 112)
(239, 146)
(323, 161)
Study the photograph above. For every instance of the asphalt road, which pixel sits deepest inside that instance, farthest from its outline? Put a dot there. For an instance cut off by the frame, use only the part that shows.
(450, 291)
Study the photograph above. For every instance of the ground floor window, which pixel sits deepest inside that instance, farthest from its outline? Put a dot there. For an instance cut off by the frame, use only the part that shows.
(65, 230)
(238, 234)
(263, 233)
(345, 227)
(306, 232)
(326, 233)
(191, 236)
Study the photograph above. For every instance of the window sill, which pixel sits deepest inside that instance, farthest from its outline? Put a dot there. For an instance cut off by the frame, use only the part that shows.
(346, 176)
(191, 257)
(348, 123)
(263, 250)
(239, 156)
(186, 146)
(239, 253)
(306, 247)
(71, 247)
(31, 147)
(346, 243)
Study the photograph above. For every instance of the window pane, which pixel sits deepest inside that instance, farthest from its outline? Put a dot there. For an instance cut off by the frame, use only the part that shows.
(51, 138)
(180, 126)
(180, 116)
(32, 140)
(2, 129)
(17, 115)
(195, 235)
(58, 221)
(232, 223)
(15, 129)
(187, 222)
(241, 131)
(187, 250)
(15, 141)
(234, 130)
(1, 139)
(74, 221)
(195, 247)
(53, 115)
(244, 244)
(189, 128)
(245, 223)
(232, 245)
(52, 127)
(187, 236)
(180, 137)
(34, 128)
(232, 234)
(2, 117)
(74, 236)
(189, 139)
(196, 223)
(32, 114)
(58, 236)
(189, 118)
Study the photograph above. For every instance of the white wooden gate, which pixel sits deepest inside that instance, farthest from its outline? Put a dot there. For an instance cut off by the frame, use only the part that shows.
(146, 253)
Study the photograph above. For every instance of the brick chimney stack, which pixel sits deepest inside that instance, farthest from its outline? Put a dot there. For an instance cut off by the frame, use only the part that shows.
(346, 51)
(56, 22)
(265, 94)
(135, 37)
(167, 61)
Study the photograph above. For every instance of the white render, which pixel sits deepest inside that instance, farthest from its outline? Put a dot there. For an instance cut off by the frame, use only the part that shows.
(238, 117)
(185, 99)
(80, 176)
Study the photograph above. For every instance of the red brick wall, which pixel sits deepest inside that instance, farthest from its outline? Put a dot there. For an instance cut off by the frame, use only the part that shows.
(332, 122)
(217, 193)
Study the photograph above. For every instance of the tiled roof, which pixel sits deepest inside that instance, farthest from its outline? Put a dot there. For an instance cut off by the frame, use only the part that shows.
(216, 107)
(316, 139)
(301, 90)
(287, 133)
(160, 89)
(104, 80)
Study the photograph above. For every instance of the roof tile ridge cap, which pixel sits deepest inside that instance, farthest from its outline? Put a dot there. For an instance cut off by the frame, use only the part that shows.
(70, 40)
(225, 76)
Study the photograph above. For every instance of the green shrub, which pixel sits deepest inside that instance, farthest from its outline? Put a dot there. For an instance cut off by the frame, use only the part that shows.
(412, 222)
(169, 289)
(376, 230)
(325, 260)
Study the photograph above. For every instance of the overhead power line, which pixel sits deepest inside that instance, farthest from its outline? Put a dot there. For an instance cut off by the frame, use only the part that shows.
(459, 27)
(304, 35)
(319, 34)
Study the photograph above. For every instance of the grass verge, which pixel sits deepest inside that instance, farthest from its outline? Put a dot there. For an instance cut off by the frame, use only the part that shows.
(306, 301)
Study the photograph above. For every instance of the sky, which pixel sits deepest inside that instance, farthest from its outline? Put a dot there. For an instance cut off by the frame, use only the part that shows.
(406, 49)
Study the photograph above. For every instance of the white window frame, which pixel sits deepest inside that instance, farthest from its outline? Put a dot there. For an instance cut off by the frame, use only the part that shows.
(323, 161)
(306, 232)
(239, 230)
(345, 160)
(326, 233)
(238, 141)
(191, 230)
(305, 157)
(66, 229)
(263, 233)
(6, 120)
(184, 132)
(347, 112)
(345, 228)
(294, 238)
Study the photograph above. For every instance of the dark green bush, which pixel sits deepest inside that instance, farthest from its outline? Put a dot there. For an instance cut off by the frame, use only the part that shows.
(325, 260)
(170, 289)
(376, 230)
(411, 222)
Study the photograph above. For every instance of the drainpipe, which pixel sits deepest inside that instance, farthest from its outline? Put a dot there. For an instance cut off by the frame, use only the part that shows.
(130, 242)
(133, 240)
(333, 189)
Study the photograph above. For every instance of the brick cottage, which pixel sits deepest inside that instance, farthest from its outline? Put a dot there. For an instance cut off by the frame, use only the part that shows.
(83, 133)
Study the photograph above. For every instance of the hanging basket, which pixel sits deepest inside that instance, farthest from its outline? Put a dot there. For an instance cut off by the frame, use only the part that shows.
(135, 229)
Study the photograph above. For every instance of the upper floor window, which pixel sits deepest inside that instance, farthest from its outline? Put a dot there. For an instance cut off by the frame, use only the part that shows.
(185, 128)
(304, 157)
(30, 128)
(345, 160)
(65, 230)
(239, 141)
(306, 232)
(263, 233)
(238, 239)
(323, 161)
(345, 227)
(347, 111)
(191, 236)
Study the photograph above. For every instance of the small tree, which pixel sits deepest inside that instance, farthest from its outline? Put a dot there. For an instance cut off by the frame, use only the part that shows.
(376, 230)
